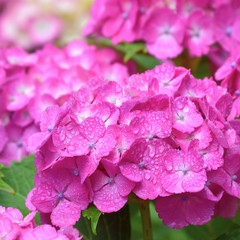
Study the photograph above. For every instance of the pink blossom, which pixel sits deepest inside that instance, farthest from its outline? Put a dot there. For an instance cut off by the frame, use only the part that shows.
(199, 33)
(49, 119)
(185, 115)
(111, 190)
(227, 176)
(116, 19)
(142, 163)
(191, 209)
(71, 195)
(164, 32)
(202, 134)
(43, 232)
(226, 29)
(183, 172)
(227, 207)
(8, 229)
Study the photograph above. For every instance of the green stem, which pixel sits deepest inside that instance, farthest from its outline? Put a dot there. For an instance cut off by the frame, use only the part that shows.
(146, 220)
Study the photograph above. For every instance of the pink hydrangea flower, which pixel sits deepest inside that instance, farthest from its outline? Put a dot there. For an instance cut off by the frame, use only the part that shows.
(227, 207)
(199, 33)
(226, 29)
(116, 19)
(183, 172)
(8, 229)
(185, 115)
(164, 32)
(111, 190)
(58, 193)
(43, 232)
(191, 209)
(143, 163)
(227, 176)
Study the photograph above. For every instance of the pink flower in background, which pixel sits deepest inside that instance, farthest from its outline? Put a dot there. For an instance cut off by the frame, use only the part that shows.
(119, 19)
(43, 232)
(226, 27)
(163, 33)
(199, 33)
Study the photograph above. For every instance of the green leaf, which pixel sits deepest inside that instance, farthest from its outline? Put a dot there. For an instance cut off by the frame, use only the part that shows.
(220, 226)
(5, 187)
(93, 214)
(203, 69)
(145, 62)
(236, 219)
(198, 232)
(111, 226)
(20, 178)
(235, 235)
(211, 230)
(136, 51)
(132, 48)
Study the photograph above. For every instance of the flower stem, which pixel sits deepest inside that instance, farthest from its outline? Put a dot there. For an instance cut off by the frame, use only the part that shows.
(146, 220)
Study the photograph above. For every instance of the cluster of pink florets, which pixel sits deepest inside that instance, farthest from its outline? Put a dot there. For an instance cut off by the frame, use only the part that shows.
(31, 82)
(161, 134)
(169, 26)
(15, 227)
(100, 133)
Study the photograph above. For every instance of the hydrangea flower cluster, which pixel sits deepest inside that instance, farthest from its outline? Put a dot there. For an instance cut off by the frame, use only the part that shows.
(33, 23)
(161, 134)
(169, 26)
(14, 227)
(29, 83)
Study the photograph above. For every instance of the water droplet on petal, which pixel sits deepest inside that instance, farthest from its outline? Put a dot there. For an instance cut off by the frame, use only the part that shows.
(147, 176)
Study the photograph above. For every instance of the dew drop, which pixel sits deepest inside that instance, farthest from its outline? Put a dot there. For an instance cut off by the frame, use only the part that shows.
(147, 176)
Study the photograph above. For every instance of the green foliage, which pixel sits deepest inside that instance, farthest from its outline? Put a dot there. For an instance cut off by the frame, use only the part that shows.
(111, 226)
(5, 187)
(93, 214)
(145, 62)
(160, 231)
(135, 51)
(16, 182)
(202, 69)
(235, 235)
(211, 230)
